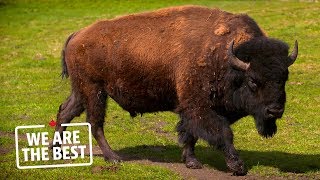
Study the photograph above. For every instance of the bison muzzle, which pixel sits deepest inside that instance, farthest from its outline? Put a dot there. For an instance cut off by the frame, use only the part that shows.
(209, 66)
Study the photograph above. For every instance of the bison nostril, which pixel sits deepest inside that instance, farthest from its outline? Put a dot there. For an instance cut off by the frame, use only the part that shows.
(275, 112)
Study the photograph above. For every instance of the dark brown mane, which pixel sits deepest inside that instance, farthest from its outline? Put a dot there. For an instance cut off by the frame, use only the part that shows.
(262, 46)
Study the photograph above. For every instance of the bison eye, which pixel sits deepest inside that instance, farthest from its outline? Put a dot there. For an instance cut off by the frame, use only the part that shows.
(253, 86)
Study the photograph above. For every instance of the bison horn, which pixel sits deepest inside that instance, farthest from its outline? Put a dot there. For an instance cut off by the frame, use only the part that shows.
(294, 54)
(234, 61)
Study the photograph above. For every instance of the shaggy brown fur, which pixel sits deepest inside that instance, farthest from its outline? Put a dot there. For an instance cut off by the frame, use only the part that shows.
(173, 59)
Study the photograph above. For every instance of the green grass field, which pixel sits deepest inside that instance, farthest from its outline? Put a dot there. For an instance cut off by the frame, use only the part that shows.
(32, 34)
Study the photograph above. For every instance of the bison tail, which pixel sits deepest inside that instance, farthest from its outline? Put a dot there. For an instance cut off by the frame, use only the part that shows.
(64, 73)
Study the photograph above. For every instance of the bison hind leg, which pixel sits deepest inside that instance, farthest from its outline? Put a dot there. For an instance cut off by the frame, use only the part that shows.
(96, 103)
(68, 110)
(188, 141)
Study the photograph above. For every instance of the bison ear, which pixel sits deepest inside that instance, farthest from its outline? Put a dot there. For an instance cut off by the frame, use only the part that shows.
(293, 56)
(234, 61)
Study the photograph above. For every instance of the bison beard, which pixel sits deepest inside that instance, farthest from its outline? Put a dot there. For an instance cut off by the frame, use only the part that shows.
(179, 59)
(267, 128)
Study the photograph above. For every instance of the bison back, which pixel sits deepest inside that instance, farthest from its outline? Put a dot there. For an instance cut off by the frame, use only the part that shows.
(140, 59)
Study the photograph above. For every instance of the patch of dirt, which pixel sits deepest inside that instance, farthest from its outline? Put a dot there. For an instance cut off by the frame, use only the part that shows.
(39, 57)
(180, 168)
(6, 149)
(186, 173)
(10, 147)
(24, 117)
(7, 134)
(159, 130)
(99, 169)
(95, 151)
(157, 127)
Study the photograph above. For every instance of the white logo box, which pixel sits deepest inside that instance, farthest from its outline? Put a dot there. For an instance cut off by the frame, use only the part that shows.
(53, 165)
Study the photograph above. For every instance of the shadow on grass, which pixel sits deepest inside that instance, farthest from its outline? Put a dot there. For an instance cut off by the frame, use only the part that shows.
(285, 162)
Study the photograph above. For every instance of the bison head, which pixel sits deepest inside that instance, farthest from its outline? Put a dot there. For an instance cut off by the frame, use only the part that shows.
(263, 64)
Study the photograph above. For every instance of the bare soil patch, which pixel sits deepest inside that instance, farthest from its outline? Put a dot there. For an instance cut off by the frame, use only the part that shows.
(180, 168)
(8, 148)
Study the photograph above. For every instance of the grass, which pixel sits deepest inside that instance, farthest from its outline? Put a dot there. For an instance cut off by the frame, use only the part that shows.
(32, 34)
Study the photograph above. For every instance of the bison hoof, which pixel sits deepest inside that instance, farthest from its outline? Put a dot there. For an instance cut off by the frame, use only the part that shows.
(193, 163)
(240, 173)
(113, 159)
(237, 167)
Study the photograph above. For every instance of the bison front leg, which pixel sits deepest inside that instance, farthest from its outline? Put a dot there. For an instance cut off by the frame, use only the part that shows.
(188, 141)
(233, 161)
(208, 125)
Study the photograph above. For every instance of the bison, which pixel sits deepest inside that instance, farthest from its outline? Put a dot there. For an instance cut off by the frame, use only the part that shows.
(209, 66)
